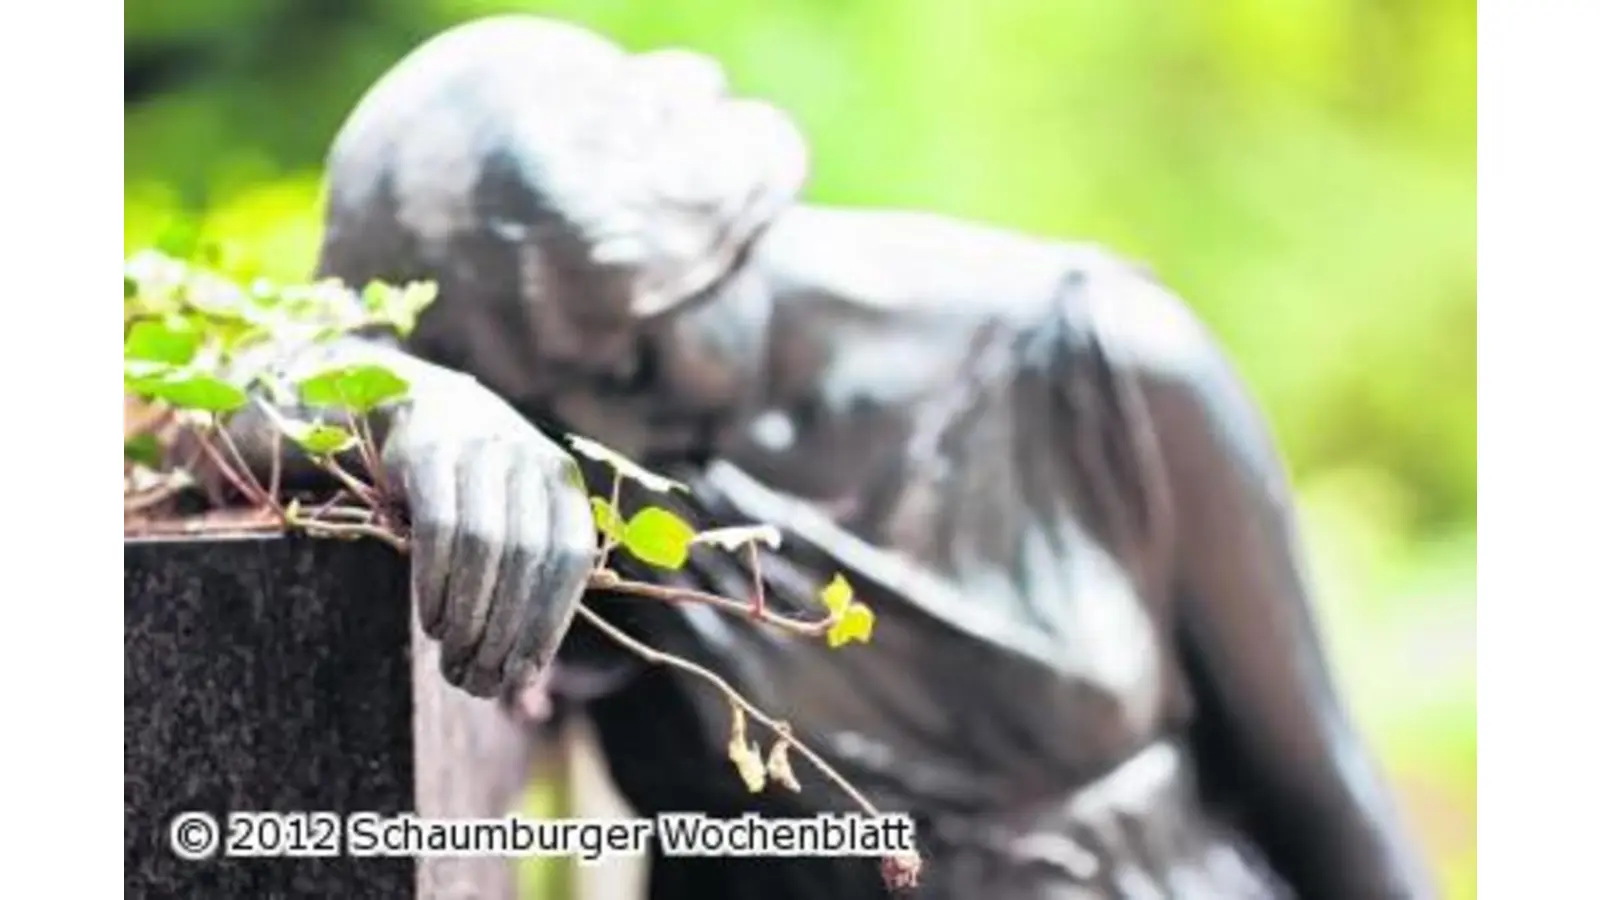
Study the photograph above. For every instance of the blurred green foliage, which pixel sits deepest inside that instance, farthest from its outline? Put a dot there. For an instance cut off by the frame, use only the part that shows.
(1303, 171)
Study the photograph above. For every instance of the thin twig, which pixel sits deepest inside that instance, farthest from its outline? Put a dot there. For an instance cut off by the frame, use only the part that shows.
(208, 487)
(360, 514)
(275, 480)
(335, 500)
(656, 657)
(605, 579)
(351, 483)
(369, 453)
(261, 494)
(758, 609)
(258, 494)
(609, 539)
(226, 470)
(353, 531)
(152, 497)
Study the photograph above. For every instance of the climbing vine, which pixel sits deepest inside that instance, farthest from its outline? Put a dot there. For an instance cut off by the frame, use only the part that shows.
(189, 335)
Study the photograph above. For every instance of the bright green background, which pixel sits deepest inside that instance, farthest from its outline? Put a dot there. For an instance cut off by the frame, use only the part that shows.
(1304, 171)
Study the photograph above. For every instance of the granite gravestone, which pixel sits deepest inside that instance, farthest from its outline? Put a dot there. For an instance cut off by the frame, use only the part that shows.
(264, 674)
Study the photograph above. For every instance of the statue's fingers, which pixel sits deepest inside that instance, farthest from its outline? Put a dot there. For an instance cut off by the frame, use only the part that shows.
(527, 498)
(430, 486)
(475, 555)
(562, 576)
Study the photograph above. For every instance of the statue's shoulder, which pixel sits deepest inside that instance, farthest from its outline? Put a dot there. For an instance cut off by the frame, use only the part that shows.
(1148, 332)
(1122, 307)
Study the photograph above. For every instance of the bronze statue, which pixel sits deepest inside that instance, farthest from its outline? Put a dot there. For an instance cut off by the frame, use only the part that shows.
(1095, 672)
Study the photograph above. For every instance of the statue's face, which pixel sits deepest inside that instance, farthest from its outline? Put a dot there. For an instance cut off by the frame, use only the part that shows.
(582, 208)
(639, 305)
(685, 379)
(658, 179)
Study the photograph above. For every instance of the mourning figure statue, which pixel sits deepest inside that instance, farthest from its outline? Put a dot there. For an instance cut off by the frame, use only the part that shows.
(1095, 672)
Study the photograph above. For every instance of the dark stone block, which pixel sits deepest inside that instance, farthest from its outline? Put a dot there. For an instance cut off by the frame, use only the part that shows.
(264, 674)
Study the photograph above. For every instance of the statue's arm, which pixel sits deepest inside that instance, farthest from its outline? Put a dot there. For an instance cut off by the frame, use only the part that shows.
(502, 538)
(1273, 729)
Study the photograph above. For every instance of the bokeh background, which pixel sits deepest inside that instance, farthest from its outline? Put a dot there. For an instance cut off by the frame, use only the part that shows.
(1304, 171)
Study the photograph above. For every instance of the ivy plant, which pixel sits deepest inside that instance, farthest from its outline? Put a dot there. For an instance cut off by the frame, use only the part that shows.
(189, 331)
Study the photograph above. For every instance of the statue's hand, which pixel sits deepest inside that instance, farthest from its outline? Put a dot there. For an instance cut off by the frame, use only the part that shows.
(502, 535)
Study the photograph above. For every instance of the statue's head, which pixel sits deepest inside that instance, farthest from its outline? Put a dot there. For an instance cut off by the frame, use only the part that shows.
(568, 196)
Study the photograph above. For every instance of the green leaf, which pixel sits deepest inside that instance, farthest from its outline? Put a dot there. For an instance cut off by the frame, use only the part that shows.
(173, 341)
(359, 388)
(854, 625)
(625, 467)
(607, 520)
(192, 391)
(235, 335)
(217, 297)
(137, 370)
(735, 537)
(399, 307)
(143, 449)
(837, 595)
(318, 439)
(658, 537)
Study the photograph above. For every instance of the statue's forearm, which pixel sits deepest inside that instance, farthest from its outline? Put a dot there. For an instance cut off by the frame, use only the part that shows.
(288, 360)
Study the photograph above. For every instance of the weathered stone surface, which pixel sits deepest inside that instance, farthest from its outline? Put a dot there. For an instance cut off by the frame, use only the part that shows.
(267, 674)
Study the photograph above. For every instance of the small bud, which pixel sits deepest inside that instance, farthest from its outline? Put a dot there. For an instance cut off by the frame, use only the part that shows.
(901, 871)
(748, 762)
(778, 764)
(745, 756)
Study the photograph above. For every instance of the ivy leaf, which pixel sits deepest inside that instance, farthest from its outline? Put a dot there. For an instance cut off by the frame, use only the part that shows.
(135, 371)
(837, 595)
(143, 449)
(217, 297)
(236, 334)
(155, 277)
(744, 755)
(607, 520)
(359, 388)
(735, 537)
(658, 537)
(748, 761)
(624, 466)
(854, 625)
(317, 438)
(191, 391)
(778, 767)
(173, 341)
(399, 307)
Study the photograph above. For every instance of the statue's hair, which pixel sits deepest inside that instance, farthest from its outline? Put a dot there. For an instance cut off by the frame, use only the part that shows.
(529, 131)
